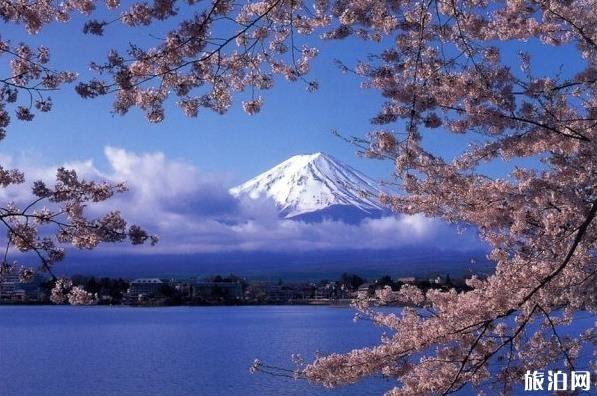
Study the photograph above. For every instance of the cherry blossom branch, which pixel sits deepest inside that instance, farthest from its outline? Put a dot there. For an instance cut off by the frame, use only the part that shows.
(555, 333)
(579, 236)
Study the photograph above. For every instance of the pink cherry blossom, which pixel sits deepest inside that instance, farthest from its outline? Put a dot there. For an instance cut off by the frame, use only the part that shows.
(439, 66)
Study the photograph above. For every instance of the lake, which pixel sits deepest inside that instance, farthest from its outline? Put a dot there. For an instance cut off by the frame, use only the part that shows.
(63, 350)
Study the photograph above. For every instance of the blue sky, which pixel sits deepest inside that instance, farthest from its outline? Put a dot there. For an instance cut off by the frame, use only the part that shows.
(196, 159)
(292, 121)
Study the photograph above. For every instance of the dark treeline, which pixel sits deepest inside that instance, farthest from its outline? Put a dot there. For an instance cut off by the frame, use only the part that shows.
(233, 290)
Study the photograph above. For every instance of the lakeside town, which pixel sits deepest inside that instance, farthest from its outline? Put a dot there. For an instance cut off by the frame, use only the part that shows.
(218, 290)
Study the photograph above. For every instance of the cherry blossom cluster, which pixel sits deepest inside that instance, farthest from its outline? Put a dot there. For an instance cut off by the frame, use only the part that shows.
(57, 217)
(29, 77)
(200, 68)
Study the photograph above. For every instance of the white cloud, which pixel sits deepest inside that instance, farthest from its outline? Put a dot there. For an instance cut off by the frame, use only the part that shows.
(193, 212)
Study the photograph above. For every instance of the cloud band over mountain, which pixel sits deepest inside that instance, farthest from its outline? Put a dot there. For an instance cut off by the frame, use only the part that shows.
(193, 212)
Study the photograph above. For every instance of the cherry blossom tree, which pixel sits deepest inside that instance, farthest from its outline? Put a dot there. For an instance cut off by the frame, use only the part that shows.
(443, 67)
(56, 214)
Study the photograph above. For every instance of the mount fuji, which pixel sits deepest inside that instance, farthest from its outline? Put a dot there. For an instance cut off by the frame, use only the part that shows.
(314, 187)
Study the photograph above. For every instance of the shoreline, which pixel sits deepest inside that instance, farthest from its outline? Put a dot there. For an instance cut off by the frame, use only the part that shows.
(338, 303)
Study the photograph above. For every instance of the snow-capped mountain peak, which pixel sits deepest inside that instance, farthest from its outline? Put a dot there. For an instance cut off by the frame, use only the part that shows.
(304, 184)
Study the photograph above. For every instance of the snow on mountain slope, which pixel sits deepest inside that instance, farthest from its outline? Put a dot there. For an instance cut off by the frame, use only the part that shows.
(305, 184)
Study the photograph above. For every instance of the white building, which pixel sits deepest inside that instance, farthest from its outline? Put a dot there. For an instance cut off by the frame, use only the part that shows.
(145, 287)
(407, 279)
(12, 289)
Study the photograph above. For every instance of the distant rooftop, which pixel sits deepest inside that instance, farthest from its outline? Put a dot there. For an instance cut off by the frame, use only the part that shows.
(147, 280)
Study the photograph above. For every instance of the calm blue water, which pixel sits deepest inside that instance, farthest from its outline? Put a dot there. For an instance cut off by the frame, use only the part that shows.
(88, 351)
(170, 351)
